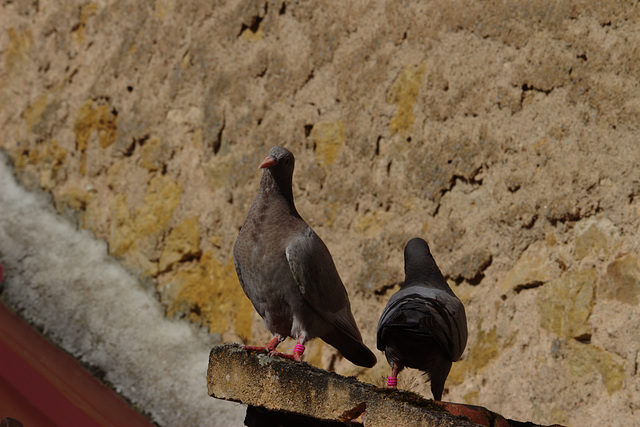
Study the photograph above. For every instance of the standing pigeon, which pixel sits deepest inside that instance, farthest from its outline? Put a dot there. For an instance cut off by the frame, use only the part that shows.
(288, 273)
(424, 325)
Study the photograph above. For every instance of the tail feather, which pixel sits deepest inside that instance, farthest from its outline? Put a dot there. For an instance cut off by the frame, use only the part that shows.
(355, 351)
(438, 376)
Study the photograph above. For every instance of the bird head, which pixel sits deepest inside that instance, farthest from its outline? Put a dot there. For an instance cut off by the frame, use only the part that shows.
(280, 157)
(278, 171)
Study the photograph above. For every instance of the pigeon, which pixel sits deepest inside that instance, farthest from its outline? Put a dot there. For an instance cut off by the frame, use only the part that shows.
(287, 272)
(424, 325)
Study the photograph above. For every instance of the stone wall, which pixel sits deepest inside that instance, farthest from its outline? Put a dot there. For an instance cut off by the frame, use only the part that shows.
(504, 133)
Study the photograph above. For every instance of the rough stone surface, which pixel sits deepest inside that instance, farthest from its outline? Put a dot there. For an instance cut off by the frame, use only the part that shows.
(503, 132)
(566, 304)
(282, 385)
(622, 280)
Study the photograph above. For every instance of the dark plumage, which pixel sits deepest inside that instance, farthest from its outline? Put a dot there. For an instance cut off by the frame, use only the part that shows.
(424, 325)
(288, 273)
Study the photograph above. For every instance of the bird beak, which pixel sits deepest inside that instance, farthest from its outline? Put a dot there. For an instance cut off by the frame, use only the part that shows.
(268, 162)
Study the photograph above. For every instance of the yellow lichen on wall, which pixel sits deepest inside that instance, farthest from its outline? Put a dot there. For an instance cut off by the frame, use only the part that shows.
(216, 240)
(622, 280)
(116, 174)
(197, 139)
(181, 243)
(565, 304)
(209, 293)
(472, 397)
(17, 54)
(185, 61)
(33, 113)
(86, 12)
(485, 348)
(404, 93)
(372, 222)
(535, 265)
(150, 154)
(161, 199)
(164, 8)
(328, 137)
(592, 241)
(253, 36)
(585, 358)
(544, 409)
(218, 170)
(50, 157)
(73, 198)
(122, 238)
(92, 118)
(482, 351)
(330, 209)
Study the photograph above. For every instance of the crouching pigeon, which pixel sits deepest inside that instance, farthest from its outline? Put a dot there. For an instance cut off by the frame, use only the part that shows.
(423, 325)
(288, 273)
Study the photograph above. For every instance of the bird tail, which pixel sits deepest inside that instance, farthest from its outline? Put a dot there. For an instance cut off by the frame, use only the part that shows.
(355, 351)
(438, 376)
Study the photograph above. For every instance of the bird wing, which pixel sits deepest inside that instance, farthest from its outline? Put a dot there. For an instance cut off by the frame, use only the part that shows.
(238, 270)
(441, 314)
(319, 282)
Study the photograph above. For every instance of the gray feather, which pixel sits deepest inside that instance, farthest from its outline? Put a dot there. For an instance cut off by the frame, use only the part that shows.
(287, 271)
(423, 325)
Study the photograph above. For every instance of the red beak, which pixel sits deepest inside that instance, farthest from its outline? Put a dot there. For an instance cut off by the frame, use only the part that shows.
(268, 162)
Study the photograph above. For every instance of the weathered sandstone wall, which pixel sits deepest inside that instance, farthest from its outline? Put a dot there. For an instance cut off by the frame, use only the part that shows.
(504, 133)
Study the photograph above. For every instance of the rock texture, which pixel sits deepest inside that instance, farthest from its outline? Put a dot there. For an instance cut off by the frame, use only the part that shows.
(505, 133)
(287, 387)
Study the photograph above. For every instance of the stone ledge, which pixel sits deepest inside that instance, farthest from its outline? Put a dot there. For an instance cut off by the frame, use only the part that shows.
(275, 387)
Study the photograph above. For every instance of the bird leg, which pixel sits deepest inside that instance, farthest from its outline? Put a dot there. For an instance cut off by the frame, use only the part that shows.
(270, 348)
(298, 350)
(392, 381)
